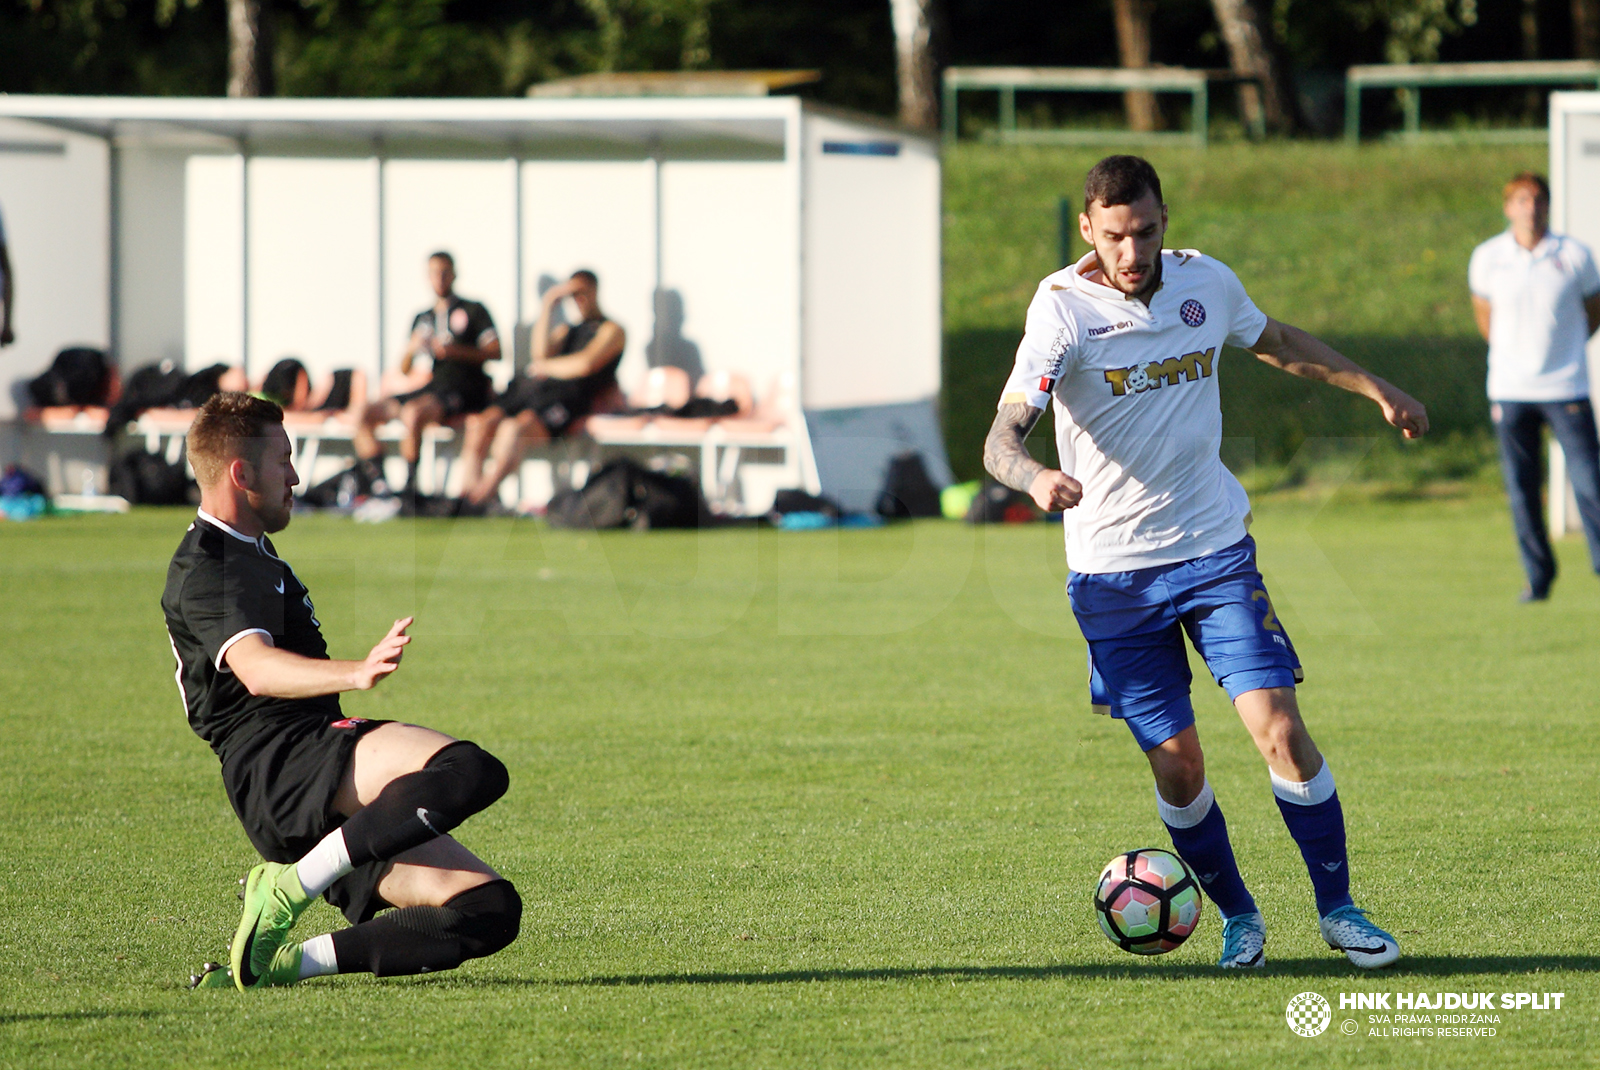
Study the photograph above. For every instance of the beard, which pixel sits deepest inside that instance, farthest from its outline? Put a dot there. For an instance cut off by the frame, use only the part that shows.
(273, 512)
(1151, 281)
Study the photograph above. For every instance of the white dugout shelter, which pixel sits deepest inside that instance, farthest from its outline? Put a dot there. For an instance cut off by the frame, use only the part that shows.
(766, 236)
(1575, 211)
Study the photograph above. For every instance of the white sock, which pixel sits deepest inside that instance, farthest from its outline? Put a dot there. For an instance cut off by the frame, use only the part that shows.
(323, 864)
(1305, 792)
(317, 957)
(1187, 817)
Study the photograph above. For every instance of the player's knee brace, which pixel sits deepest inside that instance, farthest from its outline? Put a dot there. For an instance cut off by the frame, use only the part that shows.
(457, 782)
(476, 923)
(489, 918)
(464, 779)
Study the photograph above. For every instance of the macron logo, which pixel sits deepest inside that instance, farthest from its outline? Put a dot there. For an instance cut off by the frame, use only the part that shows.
(1096, 332)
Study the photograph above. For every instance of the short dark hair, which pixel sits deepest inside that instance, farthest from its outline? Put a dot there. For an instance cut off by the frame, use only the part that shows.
(1541, 188)
(442, 255)
(230, 425)
(282, 379)
(587, 276)
(1120, 180)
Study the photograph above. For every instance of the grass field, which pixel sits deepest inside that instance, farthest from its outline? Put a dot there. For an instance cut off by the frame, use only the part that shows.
(823, 800)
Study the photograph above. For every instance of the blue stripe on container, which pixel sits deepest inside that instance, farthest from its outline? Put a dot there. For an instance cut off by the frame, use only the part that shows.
(862, 148)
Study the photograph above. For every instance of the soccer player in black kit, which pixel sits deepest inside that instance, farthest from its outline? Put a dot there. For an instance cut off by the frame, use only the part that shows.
(355, 810)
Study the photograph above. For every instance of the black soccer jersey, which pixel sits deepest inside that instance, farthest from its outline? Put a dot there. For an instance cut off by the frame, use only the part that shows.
(221, 587)
(464, 323)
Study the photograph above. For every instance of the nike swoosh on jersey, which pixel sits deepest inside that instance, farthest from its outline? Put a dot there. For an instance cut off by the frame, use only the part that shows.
(422, 816)
(279, 587)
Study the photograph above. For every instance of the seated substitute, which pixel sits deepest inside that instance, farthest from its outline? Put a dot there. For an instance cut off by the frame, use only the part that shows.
(1126, 346)
(460, 337)
(289, 385)
(571, 367)
(355, 810)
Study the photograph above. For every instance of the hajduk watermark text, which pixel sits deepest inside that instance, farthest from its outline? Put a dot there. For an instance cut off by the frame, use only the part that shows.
(1442, 1014)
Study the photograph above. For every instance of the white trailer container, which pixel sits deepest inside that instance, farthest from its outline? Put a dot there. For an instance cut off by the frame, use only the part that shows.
(1574, 210)
(766, 236)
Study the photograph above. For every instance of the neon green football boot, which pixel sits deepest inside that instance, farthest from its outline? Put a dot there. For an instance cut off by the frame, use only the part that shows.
(273, 902)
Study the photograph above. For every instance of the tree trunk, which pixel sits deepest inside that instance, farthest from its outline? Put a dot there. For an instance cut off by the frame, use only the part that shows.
(918, 77)
(1586, 29)
(249, 49)
(1133, 48)
(1251, 51)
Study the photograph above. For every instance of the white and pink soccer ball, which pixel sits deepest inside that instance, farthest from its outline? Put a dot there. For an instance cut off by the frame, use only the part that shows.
(1147, 901)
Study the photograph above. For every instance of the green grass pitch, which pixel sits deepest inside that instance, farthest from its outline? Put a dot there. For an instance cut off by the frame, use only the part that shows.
(814, 800)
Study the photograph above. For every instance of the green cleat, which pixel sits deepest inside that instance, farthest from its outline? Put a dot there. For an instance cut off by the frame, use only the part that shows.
(273, 902)
(211, 975)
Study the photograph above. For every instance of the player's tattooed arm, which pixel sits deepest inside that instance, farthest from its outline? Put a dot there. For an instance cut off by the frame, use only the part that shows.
(1006, 457)
(1005, 451)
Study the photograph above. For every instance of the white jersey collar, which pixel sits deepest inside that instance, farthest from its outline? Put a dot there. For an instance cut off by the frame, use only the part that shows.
(214, 522)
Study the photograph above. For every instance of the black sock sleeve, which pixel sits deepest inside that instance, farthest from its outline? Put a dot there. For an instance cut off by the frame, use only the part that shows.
(476, 923)
(457, 782)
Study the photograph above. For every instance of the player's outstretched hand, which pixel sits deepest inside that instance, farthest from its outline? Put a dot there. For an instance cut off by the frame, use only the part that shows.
(1054, 491)
(1404, 411)
(385, 657)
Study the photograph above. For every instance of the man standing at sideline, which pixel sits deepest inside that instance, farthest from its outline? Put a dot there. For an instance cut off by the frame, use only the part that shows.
(1536, 297)
(356, 811)
(1126, 344)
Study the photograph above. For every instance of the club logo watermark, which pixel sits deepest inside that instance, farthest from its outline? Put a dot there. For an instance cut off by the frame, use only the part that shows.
(1308, 1014)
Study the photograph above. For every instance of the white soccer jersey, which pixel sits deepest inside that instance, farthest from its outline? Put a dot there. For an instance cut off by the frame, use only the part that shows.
(1138, 415)
(1537, 325)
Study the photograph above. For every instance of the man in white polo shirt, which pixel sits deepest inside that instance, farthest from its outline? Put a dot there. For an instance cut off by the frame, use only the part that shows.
(1536, 297)
(1126, 345)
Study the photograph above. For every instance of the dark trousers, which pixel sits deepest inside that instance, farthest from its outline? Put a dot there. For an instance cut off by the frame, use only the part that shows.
(1522, 462)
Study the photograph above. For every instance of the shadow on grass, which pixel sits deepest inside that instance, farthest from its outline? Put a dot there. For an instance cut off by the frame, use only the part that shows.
(74, 1016)
(1420, 966)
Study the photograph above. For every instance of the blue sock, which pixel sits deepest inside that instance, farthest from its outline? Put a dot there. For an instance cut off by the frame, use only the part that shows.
(1316, 821)
(1200, 834)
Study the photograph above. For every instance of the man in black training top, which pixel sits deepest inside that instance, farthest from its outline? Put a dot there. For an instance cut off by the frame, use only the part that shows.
(460, 337)
(356, 811)
(571, 367)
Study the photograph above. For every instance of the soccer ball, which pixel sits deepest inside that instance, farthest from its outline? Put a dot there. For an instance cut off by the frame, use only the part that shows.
(1147, 901)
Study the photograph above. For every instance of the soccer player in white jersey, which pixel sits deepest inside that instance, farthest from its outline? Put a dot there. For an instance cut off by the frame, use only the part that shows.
(1127, 344)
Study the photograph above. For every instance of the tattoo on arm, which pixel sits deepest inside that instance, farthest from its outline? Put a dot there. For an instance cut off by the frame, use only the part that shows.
(1005, 451)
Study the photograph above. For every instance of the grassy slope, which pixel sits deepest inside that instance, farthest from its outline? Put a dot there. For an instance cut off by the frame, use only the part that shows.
(816, 800)
(1367, 248)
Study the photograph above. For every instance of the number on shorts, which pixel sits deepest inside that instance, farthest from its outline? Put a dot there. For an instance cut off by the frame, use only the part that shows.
(1270, 621)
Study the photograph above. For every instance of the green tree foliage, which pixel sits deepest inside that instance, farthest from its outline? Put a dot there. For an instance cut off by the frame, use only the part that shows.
(1415, 28)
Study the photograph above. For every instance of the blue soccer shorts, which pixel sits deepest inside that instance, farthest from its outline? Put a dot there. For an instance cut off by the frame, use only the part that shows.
(1135, 623)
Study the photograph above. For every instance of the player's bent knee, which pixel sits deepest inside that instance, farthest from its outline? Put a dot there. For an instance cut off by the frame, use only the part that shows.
(477, 778)
(489, 918)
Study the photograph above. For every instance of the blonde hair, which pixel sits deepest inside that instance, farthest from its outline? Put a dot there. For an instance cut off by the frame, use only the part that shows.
(230, 426)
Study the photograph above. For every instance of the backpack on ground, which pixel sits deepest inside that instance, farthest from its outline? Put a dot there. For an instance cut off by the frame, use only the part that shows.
(625, 494)
(78, 376)
(147, 479)
(907, 489)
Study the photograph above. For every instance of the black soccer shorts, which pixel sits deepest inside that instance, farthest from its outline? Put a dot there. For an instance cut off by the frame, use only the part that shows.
(281, 775)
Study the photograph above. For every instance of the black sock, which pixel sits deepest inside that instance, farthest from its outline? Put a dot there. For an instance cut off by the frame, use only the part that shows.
(478, 922)
(411, 478)
(460, 780)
